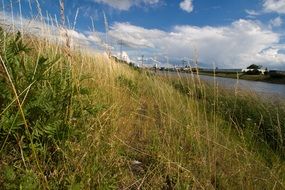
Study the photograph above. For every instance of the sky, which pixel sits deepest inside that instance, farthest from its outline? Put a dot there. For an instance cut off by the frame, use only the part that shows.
(218, 33)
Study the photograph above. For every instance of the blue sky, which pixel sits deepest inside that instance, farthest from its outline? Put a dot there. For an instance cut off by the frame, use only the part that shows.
(223, 33)
(161, 15)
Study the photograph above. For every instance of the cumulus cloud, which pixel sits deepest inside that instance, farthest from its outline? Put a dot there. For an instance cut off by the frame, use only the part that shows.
(242, 43)
(123, 56)
(277, 6)
(187, 5)
(135, 36)
(125, 5)
(237, 45)
(85, 40)
(277, 22)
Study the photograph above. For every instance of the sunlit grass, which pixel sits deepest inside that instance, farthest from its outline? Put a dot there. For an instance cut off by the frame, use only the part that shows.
(75, 120)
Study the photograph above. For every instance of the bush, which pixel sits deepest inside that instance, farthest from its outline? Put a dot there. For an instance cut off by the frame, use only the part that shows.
(253, 72)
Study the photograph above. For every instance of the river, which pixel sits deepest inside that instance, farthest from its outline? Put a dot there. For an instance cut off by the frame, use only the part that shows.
(261, 88)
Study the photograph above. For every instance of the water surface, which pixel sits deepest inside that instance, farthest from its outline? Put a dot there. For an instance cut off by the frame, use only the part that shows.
(261, 88)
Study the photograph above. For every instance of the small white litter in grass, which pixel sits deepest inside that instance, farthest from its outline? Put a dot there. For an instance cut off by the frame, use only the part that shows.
(135, 162)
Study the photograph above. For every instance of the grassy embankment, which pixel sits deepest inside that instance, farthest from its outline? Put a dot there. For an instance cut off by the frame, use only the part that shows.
(262, 78)
(79, 121)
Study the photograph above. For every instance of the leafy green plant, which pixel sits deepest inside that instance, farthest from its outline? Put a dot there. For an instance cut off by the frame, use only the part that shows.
(127, 83)
(45, 97)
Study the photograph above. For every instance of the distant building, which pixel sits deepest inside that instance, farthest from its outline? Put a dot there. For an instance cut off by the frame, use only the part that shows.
(125, 57)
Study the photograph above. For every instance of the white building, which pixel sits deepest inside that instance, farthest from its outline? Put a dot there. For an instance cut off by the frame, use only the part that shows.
(124, 57)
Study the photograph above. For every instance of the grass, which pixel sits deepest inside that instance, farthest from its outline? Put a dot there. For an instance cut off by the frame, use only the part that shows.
(80, 121)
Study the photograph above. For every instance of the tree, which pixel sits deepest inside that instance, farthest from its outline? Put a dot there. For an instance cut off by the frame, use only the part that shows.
(254, 67)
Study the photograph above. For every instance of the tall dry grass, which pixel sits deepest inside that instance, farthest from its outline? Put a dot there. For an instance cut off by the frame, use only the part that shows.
(84, 121)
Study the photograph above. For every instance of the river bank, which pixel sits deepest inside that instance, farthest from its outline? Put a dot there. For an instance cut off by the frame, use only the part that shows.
(260, 78)
(261, 88)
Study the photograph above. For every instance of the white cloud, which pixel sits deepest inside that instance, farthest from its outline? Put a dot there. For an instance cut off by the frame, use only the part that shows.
(252, 13)
(134, 36)
(55, 34)
(125, 5)
(124, 56)
(121, 5)
(277, 6)
(187, 5)
(235, 46)
(277, 22)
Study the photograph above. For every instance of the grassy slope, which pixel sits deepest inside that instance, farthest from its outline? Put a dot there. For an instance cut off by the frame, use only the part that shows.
(96, 124)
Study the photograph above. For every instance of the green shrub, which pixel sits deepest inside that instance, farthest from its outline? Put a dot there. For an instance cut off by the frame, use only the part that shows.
(127, 83)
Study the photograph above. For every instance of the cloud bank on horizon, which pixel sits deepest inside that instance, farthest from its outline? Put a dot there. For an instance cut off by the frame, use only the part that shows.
(242, 43)
(236, 44)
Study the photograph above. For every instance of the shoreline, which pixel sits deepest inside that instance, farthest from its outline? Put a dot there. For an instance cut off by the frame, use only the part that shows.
(256, 78)
(240, 76)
